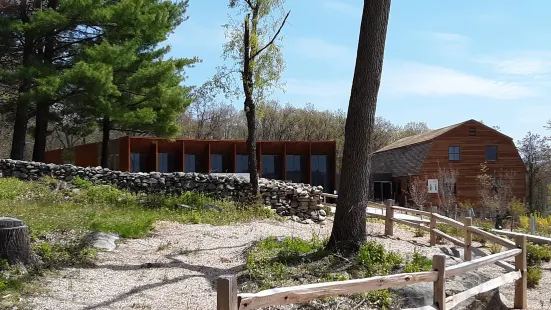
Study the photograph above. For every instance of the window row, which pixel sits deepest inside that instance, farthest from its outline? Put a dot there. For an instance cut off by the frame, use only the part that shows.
(272, 166)
(454, 153)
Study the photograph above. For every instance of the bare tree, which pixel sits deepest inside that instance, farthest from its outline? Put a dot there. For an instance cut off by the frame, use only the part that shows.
(535, 152)
(349, 229)
(447, 192)
(418, 190)
(495, 189)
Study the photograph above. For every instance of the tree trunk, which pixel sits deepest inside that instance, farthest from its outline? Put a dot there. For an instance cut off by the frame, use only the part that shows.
(530, 187)
(106, 129)
(43, 105)
(41, 130)
(15, 245)
(21, 113)
(251, 144)
(349, 228)
(250, 108)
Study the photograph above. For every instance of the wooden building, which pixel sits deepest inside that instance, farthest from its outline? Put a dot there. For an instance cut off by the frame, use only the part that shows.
(462, 147)
(297, 161)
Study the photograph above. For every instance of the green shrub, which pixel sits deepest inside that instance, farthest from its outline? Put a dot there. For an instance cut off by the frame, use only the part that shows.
(533, 276)
(81, 183)
(536, 254)
(418, 263)
(376, 260)
(419, 233)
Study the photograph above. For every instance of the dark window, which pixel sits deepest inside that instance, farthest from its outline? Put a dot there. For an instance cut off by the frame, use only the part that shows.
(491, 153)
(138, 162)
(271, 167)
(167, 162)
(220, 163)
(242, 164)
(296, 170)
(472, 131)
(191, 163)
(454, 152)
(320, 171)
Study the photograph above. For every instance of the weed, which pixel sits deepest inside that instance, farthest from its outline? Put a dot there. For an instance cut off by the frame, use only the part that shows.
(494, 248)
(534, 276)
(419, 233)
(163, 246)
(418, 263)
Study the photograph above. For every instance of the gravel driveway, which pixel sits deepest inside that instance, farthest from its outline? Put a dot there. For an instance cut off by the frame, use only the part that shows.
(177, 267)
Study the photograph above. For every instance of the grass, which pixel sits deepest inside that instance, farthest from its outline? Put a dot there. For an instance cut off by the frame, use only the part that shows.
(274, 262)
(58, 218)
(105, 208)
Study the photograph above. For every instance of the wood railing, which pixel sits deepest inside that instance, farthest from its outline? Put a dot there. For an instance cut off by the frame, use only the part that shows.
(229, 299)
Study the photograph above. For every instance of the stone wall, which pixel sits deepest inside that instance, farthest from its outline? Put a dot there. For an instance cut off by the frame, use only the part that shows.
(299, 201)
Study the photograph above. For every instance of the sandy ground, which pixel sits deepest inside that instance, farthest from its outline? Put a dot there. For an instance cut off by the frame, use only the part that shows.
(177, 267)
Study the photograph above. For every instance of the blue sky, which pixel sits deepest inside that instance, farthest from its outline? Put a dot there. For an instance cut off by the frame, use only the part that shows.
(445, 62)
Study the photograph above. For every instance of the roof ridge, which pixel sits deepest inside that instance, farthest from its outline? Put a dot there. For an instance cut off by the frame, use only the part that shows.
(419, 138)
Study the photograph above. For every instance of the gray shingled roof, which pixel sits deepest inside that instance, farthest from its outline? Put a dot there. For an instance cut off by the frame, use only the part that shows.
(417, 139)
(401, 161)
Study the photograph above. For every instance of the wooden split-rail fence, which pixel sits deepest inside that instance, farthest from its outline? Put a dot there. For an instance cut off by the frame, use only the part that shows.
(229, 299)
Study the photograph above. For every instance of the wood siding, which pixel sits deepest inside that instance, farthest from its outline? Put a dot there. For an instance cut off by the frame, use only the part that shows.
(472, 154)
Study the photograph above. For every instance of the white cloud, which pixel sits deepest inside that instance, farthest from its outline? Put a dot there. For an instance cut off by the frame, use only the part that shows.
(342, 7)
(450, 44)
(324, 94)
(449, 37)
(408, 78)
(521, 63)
(314, 48)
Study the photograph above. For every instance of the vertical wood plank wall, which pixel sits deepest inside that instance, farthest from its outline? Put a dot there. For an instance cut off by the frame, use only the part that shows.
(204, 148)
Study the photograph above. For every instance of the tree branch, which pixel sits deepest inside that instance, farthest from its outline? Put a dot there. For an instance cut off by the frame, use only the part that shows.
(273, 38)
(250, 4)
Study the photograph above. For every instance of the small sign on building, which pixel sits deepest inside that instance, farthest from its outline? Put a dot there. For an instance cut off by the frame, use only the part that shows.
(433, 186)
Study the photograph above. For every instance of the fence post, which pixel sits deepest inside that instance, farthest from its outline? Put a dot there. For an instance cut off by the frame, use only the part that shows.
(521, 301)
(432, 226)
(226, 293)
(468, 238)
(439, 286)
(389, 224)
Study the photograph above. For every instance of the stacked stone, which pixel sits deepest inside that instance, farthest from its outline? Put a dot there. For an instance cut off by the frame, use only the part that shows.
(297, 200)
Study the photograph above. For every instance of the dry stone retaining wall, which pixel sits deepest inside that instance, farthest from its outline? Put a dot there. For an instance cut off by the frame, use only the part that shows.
(299, 201)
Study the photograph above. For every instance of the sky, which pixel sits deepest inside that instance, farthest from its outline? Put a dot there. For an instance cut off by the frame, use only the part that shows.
(445, 62)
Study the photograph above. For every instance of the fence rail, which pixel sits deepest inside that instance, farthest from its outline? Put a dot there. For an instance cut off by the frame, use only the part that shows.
(229, 299)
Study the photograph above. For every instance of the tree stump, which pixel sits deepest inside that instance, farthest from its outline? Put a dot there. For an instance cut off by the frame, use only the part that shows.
(15, 245)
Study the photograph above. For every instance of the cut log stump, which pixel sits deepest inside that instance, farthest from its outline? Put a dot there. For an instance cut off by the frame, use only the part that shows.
(15, 245)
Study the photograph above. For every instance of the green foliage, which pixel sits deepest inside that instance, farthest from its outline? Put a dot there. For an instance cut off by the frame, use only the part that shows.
(419, 233)
(376, 260)
(80, 183)
(533, 276)
(517, 208)
(275, 262)
(494, 248)
(418, 263)
(537, 254)
(11, 188)
(105, 208)
(60, 255)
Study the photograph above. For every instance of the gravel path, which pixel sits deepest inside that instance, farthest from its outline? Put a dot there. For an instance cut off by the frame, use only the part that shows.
(176, 267)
